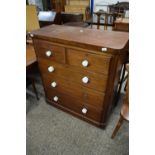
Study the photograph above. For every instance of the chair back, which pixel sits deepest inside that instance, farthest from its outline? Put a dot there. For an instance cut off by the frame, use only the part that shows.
(32, 22)
(71, 17)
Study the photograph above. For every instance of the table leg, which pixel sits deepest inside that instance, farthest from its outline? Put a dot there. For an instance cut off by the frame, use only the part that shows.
(98, 21)
(105, 26)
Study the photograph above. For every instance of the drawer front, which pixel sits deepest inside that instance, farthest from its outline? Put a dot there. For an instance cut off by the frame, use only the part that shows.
(89, 61)
(63, 86)
(48, 51)
(91, 80)
(74, 105)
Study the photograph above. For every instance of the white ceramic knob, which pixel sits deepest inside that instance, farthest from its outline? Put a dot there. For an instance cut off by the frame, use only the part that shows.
(84, 110)
(85, 63)
(103, 49)
(31, 35)
(54, 84)
(55, 98)
(48, 53)
(51, 69)
(85, 79)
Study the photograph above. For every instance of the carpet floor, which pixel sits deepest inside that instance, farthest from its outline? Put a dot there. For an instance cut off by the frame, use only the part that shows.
(50, 131)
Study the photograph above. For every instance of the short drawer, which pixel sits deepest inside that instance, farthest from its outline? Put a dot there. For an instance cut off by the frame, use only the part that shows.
(74, 105)
(89, 61)
(84, 94)
(87, 79)
(48, 51)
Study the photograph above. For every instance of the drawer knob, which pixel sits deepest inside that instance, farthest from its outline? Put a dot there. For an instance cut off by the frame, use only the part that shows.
(48, 53)
(103, 49)
(85, 79)
(31, 35)
(85, 63)
(54, 84)
(51, 69)
(55, 98)
(84, 110)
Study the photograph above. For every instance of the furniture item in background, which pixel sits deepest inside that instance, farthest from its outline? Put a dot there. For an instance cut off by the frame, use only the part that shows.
(49, 17)
(77, 24)
(119, 7)
(47, 5)
(73, 19)
(78, 6)
(31, 60)
(108, 19)
(124, 114)
(32, 22)
(30, 66)
(58, 5)
(80, 69)
(31, 81)
(30, 55)
(103, 18)
(121, 24)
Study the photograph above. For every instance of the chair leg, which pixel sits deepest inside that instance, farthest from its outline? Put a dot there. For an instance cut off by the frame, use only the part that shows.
(34, 88)
(117, 126)
(120, 85)
(125, 79)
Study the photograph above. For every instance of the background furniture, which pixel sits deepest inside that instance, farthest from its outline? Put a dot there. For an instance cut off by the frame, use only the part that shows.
(30, 66)
(58, 5)
(124, 114)
(73, 19)
(108, 18)
(32, 22)
(121, 24)
(119, 7)
(77, 24)
(80, 69)
(31, 81)
(102, 18)
(77, 6)
(30, 55)
(49, 17)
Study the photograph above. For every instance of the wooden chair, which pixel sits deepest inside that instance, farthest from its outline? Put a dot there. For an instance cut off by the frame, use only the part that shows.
(31, 66)
(32, 22)
(31, 81)
(73, 19)
(124, 114)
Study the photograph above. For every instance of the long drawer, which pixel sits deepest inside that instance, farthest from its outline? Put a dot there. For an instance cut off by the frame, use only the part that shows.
(49, 51)
(74, 105)
(63, 86)
(88, 79)
(92, 62)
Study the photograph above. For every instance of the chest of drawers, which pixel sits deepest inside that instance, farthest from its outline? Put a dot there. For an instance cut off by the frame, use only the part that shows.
(80, 69)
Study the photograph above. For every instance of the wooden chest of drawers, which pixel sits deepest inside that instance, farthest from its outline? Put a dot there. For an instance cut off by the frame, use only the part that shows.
(80, 69)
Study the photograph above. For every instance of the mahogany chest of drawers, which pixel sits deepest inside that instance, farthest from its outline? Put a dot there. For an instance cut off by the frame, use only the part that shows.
(80, 69)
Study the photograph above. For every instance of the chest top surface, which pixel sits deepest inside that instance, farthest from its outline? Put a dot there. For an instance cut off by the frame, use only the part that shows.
(76, 35)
